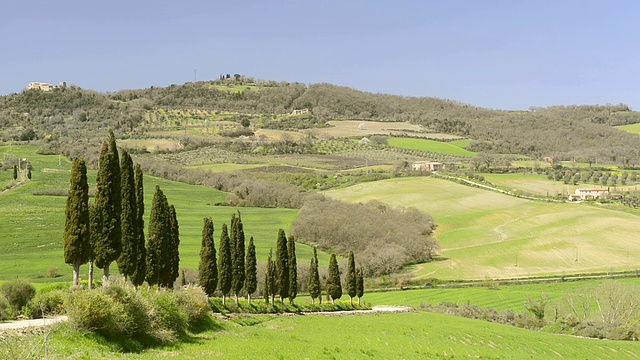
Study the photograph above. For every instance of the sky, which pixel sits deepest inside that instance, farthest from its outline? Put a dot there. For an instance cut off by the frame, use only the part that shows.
(509, 54)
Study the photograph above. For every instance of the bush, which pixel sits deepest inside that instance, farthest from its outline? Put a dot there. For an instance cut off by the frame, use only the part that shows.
(167, 314)
(5, 310)
(96, 311)
(53, 272)
(18, 293)
(193, 303)
(46, 304)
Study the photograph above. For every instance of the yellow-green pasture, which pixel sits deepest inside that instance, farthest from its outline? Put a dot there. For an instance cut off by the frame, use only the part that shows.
(487, 234)
(451, 148)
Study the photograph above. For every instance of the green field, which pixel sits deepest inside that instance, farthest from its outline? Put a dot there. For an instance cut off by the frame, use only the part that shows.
(631, 128)
(32, 226)
(415, 335)
(504, 297)
(487, 234)
(450, 148)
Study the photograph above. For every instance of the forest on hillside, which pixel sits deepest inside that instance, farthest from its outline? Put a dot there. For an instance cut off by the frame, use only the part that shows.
(573, 132)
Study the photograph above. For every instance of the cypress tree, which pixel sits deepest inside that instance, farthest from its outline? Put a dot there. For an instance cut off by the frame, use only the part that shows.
(282, 265)
(158, 234)
(238, 257)
(314, 278)
(293, 269)
(225, 271)
(95, 223)
(15, 172)
(359, 284)
(251, 271)
(140, 268)
(29, 173)
(77, 225)
(272, 277)
(108, 202)
(334, 288)
(128, 255)
(351, 278)
(172, 255)
(208, 268)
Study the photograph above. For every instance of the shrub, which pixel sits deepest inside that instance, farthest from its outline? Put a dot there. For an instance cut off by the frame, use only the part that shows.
(96, 311)
(193, 303)
(167, 315)
(18, 293)
(5, 310)
(46, 304)
(53, 272)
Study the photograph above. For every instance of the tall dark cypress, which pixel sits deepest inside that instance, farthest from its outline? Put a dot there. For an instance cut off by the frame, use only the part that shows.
(158, 234)
(140, 263)
(293, 269)
(15, 172)
(76, 226)
(272, 277)
(359, 284)
(108, 202)
(351, 278)
(95, 223)
(314, 278)
(128, 255)
(225, 271)
(208, 268)
(173, 253)
(334, 288)
(251, 271)
(237, 283)
(282, 265)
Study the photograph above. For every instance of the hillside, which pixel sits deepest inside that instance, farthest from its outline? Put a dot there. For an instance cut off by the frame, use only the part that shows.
(487, 234)
(64, 114)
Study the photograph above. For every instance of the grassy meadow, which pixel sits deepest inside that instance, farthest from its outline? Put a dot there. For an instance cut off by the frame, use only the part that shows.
(503, 297)
(450, 148)
(414, 335)
(487, 234)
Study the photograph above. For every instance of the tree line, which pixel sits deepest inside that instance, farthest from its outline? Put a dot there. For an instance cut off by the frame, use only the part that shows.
(112, 229)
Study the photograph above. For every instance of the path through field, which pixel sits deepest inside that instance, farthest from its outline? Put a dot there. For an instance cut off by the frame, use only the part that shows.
(23, 324)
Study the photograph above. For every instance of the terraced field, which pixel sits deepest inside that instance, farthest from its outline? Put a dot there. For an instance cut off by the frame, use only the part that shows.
(487, 234)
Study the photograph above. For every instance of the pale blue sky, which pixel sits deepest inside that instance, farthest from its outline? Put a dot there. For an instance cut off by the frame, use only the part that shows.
(496, 54)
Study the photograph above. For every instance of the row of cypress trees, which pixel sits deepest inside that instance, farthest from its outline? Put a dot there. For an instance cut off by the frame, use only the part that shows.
(229, 272)
(112, 228)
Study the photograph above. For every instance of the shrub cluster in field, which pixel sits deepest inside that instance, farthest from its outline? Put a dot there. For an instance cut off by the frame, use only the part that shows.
(384, 238)
(120, 310)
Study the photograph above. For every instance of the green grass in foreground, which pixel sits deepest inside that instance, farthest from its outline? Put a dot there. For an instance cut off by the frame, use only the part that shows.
(484, 233)
(383, 336)
(451, 148)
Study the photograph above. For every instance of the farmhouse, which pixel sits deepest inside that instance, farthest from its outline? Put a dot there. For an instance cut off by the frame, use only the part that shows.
(45, 86)
(590, 193)
(300, 111)
(427, 166)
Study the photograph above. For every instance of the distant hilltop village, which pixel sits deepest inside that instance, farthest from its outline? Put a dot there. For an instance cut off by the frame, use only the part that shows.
(45, 86)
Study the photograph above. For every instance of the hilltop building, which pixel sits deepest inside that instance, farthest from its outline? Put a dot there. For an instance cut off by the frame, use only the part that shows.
(427, 166)
(45, 86)
(300, 111)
